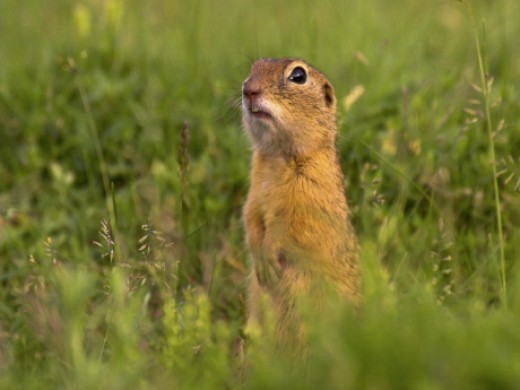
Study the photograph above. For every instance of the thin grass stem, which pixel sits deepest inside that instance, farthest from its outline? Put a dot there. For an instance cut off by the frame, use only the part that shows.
(108, 188)
(492, 153)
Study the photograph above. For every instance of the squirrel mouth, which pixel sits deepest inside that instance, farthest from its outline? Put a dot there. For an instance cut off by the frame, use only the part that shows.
(259, 114)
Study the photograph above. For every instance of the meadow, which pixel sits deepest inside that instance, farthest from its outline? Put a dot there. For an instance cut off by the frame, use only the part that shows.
(124, 168)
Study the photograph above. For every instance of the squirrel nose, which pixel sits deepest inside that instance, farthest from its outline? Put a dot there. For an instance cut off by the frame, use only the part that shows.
(250, 89)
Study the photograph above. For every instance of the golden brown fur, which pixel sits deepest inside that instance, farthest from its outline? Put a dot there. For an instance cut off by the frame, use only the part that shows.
(296, 215)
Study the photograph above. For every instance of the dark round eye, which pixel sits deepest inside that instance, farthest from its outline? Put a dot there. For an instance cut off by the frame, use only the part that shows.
(298, 75)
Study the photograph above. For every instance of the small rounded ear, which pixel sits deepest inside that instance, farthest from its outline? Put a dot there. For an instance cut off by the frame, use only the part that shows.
(328, 94)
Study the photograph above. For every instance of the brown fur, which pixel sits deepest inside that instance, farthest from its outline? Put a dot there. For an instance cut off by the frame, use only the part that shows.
(296, 215)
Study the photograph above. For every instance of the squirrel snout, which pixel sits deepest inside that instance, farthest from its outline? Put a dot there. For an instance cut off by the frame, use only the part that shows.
(251, 95)
(251, 90)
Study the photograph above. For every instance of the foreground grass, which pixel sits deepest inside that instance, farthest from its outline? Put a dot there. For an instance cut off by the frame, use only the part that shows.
(124, 169)
(85, 336)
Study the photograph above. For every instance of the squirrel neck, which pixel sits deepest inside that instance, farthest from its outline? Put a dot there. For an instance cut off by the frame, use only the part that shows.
(291, 152)
(318, 164)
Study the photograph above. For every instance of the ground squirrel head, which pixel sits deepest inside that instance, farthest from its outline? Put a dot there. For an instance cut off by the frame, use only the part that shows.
(288, 107)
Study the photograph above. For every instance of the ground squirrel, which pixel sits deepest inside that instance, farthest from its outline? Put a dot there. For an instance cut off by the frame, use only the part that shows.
(296, 215)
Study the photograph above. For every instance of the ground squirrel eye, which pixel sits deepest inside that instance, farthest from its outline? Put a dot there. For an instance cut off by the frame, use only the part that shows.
(298, 75)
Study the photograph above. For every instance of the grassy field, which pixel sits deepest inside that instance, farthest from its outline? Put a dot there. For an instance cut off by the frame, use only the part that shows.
(124, 167)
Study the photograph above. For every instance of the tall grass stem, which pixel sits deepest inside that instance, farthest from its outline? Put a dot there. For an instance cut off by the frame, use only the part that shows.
(94, 133)
(492, 154)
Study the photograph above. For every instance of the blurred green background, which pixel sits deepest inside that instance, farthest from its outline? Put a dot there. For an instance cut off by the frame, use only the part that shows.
(124, 168)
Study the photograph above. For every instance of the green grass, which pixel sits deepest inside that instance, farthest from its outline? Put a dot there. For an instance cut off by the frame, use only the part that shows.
(124, 167)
